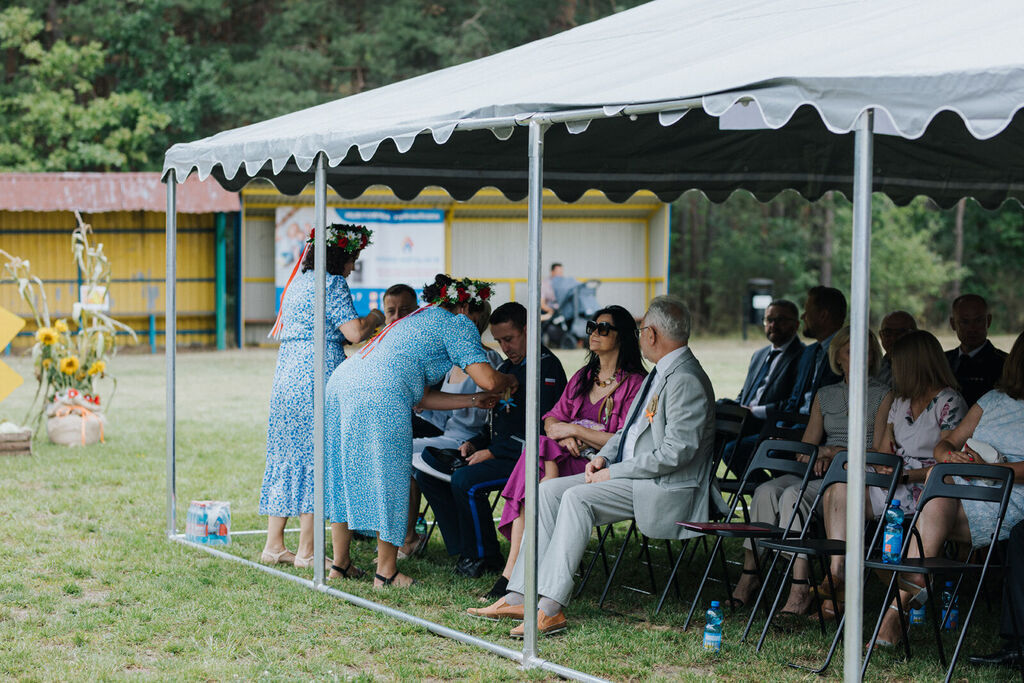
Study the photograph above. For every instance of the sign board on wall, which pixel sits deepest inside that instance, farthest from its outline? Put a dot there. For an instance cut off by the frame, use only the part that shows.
(408, 247)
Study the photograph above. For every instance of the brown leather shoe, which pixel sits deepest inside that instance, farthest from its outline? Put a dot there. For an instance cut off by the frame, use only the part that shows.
(496, 611)
(546, 626)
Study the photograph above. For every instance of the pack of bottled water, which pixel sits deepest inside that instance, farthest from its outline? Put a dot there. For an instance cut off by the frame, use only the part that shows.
(209, 522)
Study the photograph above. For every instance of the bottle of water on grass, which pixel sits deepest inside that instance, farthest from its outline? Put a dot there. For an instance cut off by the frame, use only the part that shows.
(892, 539)
(950, 610)
(713, 628)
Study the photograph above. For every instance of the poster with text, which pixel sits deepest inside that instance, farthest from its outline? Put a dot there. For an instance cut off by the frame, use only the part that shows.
(407, 247)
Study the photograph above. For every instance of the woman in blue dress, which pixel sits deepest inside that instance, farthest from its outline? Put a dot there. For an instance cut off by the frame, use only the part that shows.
(370, 399)
(288, 479)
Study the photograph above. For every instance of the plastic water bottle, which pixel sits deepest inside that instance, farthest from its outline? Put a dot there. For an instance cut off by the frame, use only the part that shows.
(917, 616)
(892, 540)
(950, 609)
(421, 526)
(713, 628)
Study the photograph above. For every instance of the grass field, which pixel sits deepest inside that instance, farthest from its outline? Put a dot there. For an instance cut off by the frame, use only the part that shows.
(90, 589)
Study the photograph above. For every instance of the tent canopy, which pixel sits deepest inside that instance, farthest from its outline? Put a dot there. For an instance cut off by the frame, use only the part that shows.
(766, 84)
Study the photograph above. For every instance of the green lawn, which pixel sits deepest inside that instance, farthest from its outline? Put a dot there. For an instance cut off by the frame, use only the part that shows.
(90, 589)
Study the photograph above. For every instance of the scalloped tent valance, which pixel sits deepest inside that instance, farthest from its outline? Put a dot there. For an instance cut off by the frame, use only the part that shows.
(946, 78)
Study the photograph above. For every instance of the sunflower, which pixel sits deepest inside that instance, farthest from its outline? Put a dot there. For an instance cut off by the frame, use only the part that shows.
(61, 326)
(46, 335)
(97, 368)
(69, 365)
(47, 362)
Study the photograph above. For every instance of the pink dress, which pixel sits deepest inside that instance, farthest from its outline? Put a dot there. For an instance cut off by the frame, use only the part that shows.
(570, 408)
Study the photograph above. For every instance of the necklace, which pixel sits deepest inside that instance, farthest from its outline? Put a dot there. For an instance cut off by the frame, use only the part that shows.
(604, 382)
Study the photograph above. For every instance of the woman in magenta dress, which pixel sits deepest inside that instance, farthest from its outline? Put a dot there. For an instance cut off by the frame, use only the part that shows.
(592, 408)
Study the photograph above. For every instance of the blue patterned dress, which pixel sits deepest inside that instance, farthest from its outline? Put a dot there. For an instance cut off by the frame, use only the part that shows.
(288, 479)
(368, 450)
(1002, 427)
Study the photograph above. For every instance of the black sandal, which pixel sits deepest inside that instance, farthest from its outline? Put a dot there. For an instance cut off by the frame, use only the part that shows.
(384, 581)
(786, 614)
(387, 582)
(348, 572)
(737, 603)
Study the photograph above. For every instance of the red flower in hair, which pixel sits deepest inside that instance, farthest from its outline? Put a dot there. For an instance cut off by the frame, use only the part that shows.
(342, 242)
(444, 292)
(362, 242)
(463, 295)
(484, 293)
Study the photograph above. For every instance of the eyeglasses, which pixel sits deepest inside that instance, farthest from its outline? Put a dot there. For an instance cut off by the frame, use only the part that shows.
(602, 328)
(641, 329)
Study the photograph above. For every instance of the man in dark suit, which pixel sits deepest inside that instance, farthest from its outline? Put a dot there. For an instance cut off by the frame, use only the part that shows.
(770, 377)
(824, 315)
(976, 363)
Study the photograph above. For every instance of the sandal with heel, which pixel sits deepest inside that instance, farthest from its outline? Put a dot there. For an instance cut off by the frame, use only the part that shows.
(785, 614)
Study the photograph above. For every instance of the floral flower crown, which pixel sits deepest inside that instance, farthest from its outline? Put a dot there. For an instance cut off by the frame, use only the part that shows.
(351, 238)
(464, 291)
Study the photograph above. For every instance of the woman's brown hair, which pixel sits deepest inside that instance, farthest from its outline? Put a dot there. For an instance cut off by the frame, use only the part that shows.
(1012, 381)
(919, 365)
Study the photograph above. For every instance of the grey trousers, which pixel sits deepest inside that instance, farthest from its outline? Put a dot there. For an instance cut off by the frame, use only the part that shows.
(773, 502)
(568, 510)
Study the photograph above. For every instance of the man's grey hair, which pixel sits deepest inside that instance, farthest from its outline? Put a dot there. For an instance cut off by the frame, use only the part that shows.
(670, 315)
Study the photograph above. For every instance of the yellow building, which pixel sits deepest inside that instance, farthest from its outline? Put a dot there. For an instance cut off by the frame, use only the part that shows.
(624, 245)
(126, 211)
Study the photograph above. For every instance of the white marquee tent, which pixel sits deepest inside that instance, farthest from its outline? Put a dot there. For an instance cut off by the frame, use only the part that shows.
(717, 95)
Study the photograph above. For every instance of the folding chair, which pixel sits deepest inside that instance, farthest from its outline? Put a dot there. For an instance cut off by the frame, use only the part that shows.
(823, 549)
(938, 487)
(730, 423)
(776, 456)
(422, 547)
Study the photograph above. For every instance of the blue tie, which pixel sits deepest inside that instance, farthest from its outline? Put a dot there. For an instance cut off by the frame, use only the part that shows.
(762, 375)
(636, 412)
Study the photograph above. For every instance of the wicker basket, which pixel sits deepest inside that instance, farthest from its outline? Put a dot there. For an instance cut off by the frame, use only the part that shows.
(16, 443)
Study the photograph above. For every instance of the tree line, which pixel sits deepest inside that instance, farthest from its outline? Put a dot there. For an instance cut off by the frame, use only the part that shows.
(109, 85)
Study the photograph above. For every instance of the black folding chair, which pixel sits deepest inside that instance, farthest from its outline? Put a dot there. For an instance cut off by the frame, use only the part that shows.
(775, 456)
(998, 494)
(823, 549)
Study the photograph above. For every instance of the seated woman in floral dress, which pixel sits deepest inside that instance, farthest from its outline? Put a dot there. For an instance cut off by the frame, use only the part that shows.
(592, 408)
(997, 419)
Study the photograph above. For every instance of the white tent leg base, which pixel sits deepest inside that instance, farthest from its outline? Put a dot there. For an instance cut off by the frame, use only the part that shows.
(438, 629)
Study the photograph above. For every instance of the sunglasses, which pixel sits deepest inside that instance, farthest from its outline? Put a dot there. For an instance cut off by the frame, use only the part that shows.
(603, 329)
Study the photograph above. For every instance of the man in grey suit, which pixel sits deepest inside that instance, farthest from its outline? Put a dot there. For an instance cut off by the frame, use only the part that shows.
(656, 469)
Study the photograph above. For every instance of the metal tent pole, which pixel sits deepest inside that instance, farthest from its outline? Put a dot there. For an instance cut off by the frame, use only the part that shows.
(859, 295)
(535, 213)
(170, 343)
(319, 352)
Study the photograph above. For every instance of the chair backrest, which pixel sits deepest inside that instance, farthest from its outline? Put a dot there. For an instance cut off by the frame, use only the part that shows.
(779, 424)
(778, 456)
(730, 421)
(837, 474)
(937, 487)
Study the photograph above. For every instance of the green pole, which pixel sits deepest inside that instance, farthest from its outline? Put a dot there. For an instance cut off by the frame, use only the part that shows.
(221, 267)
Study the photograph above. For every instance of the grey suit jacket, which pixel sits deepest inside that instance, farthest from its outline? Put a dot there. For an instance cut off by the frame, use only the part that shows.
(672, 459)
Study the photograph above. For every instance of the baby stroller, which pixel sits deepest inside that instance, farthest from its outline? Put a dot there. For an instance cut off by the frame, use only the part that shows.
(568, 326)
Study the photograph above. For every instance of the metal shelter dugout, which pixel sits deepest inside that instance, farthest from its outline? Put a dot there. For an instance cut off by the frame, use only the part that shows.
(669, 96)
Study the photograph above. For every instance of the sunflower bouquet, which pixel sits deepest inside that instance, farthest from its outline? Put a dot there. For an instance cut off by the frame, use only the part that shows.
(70, 354)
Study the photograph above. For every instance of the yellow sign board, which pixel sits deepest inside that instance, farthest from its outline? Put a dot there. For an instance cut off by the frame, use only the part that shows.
(10, 325)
